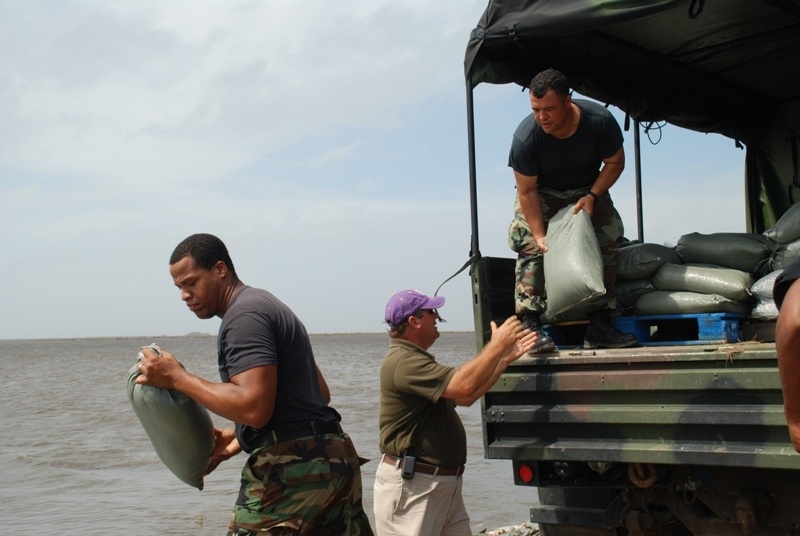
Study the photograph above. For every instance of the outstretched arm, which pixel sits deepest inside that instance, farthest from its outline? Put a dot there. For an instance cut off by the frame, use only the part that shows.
(472, 377)
(519, 349)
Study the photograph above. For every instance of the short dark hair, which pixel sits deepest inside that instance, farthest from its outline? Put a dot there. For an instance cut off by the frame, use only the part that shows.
(205, 249)
(547, 80)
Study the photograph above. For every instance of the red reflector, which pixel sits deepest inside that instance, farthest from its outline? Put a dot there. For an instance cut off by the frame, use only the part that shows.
(525, 474)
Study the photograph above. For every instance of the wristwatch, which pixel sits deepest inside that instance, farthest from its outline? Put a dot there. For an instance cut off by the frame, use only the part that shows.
(595, 196)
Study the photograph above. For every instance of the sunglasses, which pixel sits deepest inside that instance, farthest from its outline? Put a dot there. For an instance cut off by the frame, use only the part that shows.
(434, 311)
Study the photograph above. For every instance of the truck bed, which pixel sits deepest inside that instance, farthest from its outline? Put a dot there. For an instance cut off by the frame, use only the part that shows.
(716, 404)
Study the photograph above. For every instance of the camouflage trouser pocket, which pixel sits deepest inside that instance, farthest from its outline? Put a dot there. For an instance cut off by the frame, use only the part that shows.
(310, 484)
(306, 472)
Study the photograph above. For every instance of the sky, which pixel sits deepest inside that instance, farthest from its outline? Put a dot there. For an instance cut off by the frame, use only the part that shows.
(324, 142)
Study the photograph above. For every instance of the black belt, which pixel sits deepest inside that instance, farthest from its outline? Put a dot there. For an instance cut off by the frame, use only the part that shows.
(312, 429)
(425, 468)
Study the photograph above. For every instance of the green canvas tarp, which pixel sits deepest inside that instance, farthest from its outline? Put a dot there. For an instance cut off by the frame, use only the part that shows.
(717, 66)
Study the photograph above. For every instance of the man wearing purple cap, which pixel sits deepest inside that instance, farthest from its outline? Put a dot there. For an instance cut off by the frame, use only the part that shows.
(424, 445)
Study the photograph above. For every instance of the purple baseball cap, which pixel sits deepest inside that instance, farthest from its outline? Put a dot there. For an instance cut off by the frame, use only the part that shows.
(407, 303)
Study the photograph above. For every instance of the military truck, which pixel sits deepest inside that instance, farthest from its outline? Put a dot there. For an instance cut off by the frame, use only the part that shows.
(660, 439)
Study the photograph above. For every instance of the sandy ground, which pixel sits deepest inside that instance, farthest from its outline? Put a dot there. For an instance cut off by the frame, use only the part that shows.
(524, 529)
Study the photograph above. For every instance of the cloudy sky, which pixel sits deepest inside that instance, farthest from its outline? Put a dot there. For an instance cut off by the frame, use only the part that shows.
(324, 142)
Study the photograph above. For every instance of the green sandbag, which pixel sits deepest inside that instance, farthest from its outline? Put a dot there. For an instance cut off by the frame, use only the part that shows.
(628, 291)
(740, 251)
(573, 266)
(787, 228)
(784, 255)
(663, 302)
(641, 261)
(179, 428)
(732, 284)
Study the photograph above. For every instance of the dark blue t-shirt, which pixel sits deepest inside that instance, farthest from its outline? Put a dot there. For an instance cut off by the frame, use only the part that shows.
(258, 329)
(570, 163)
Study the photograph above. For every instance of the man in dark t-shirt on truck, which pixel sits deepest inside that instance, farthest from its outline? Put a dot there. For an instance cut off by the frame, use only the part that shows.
(556, 154)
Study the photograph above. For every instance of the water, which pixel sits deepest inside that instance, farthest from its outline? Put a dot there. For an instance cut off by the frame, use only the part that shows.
(76, 461)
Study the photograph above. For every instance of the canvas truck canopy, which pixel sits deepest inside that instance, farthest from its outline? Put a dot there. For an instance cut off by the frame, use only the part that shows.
(716, 66)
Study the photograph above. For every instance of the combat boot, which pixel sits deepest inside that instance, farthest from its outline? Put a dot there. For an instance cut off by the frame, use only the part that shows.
(601, 333)
(543, 342)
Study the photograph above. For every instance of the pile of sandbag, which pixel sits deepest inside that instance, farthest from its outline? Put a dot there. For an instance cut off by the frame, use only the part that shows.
(785, 240)
(659, 280)
(785, 236)
(703, 273)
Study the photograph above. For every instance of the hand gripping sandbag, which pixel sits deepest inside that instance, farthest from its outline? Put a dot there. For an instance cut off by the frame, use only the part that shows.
(179, 428)
(573, 265)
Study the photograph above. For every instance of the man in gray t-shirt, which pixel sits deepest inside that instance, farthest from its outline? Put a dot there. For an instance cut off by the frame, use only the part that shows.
(566, 153)
(303, 474)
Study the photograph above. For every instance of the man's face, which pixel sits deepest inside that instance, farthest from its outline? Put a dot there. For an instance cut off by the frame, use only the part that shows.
(551, 111)
(201, 289)
(429, 330)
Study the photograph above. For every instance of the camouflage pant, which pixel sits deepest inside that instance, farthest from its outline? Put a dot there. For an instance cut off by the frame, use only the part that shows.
(305, 486)
(529, 294)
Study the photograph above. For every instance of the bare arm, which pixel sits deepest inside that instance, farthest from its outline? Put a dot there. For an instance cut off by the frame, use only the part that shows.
(249, 397)
(473, 376)
(528, 192)
(515, 352)
(787, 344)
(609, 173)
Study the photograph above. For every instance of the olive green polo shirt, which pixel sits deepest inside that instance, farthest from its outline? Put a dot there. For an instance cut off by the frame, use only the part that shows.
(412, 414)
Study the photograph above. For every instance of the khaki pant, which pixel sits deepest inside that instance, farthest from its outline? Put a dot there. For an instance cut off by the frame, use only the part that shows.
(424, 504)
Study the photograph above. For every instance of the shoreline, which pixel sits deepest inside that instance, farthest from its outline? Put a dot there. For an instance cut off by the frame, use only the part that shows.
(523, 529)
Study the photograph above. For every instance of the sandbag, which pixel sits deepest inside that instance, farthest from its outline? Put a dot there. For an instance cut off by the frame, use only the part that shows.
(764, 310)
(784, 255)
(640, 261)
(179, 428)
(573, 265)
(628, 292)
(732, 284)
(740, 251)
(664, 302)
(787, 228)
(762, 289)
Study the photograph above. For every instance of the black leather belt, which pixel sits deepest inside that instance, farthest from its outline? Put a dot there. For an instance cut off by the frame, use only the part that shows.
(312, 429)
(425, 468)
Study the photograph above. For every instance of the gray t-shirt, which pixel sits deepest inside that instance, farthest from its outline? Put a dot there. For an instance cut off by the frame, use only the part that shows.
(570, 163)
(257, 330)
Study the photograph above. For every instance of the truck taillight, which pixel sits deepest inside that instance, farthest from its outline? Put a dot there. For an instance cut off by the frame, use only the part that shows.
(525, 473)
